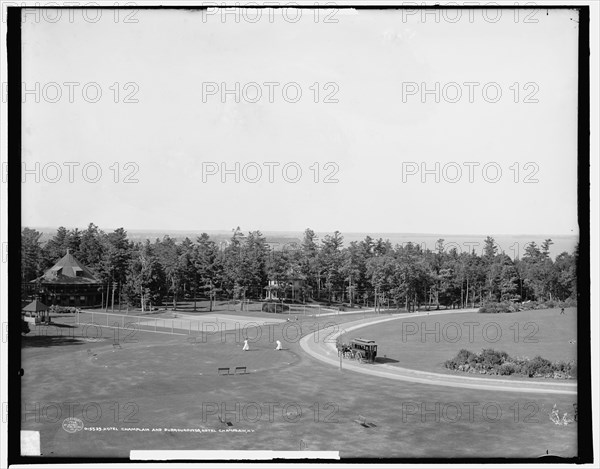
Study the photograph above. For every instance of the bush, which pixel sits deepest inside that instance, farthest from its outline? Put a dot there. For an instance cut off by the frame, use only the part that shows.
(56, 309)
(538, 367)
(507, 369)
(502, 307)
(464, 356)
(568, 303)
(25, 327)
(573, 370)
(490, 357)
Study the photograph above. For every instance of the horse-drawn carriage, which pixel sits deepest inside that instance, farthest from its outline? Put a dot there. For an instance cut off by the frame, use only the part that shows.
(363, 350)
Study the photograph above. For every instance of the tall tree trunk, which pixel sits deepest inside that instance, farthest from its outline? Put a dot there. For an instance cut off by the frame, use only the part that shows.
(350, 291)
(318, 287)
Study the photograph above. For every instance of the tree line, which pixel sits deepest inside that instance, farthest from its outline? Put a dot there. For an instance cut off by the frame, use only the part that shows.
(367, 272)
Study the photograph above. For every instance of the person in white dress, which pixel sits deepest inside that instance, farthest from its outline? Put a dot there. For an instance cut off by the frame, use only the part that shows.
(246, 346)
(278, 345)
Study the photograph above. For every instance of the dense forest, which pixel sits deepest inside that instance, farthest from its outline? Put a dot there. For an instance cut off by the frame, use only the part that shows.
(365, 272)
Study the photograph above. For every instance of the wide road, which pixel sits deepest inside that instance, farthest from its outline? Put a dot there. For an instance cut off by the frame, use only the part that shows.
(322, 346)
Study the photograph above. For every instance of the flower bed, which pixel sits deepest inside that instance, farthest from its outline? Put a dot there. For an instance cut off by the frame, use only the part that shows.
(492, 362)
(511, 307)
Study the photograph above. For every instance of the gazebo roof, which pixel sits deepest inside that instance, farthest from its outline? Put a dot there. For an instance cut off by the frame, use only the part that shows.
(35, 306)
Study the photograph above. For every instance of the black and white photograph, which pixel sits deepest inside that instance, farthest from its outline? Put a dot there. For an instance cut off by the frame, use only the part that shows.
(319, 233)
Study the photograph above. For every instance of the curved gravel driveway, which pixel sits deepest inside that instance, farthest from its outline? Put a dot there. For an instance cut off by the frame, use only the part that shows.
(322, 346)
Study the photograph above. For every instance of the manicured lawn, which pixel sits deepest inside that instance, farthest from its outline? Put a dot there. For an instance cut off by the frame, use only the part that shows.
(221, 306)
(164, 381)
(426, 342)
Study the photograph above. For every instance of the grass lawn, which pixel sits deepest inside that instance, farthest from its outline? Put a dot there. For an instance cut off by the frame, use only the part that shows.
(287, 401)
(425, 343)
(254, 308)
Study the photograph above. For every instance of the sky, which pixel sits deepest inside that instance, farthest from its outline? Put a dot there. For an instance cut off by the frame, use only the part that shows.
(162, 146)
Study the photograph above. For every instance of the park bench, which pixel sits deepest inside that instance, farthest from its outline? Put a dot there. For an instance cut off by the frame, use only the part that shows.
(117, 345)
(240, 370)
(224, 371)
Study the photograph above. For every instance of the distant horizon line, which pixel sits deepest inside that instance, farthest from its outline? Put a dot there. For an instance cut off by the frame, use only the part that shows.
(224, 231)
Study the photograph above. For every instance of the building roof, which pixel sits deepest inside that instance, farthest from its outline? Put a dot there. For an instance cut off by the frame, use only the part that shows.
(68, 270)
(35, 306)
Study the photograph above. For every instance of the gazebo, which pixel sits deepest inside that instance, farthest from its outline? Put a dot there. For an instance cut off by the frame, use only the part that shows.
(36, 312)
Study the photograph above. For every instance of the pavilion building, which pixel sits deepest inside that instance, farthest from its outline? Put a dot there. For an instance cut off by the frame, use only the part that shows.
(69, 283)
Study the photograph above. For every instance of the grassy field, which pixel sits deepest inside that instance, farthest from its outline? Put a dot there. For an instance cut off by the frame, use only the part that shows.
(287, 401)
(425, 343)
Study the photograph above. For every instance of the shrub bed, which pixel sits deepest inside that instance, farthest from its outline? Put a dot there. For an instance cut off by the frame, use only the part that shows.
(511, 306)
(277, 308)
(492, 362)
(54, 309)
